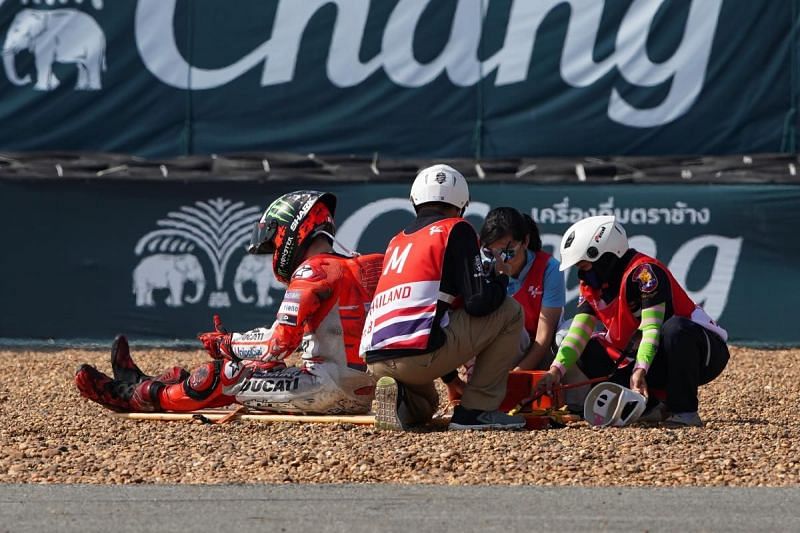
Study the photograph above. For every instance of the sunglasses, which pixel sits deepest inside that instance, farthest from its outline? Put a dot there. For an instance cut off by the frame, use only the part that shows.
(506, 254)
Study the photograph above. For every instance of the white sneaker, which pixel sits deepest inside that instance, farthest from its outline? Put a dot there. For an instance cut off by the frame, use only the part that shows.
(386, 404)
(684, 419)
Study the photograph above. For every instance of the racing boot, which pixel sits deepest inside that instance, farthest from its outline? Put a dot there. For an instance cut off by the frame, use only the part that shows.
(145, 396)
(98, 387)
(126, 370)
(122, 363)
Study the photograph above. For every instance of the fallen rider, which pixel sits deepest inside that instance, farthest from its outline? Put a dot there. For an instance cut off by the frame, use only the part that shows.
(323, 313)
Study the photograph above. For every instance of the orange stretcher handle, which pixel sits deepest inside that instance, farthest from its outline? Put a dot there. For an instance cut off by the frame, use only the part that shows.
(535, 396)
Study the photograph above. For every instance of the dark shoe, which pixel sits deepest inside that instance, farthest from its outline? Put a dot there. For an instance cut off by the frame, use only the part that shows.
(122, 363)
(691, 419)
(100, 388)
(658, 413)
(387, 402)
(464, 418)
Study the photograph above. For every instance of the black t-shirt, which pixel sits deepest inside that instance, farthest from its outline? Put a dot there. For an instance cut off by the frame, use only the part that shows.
(462, 275)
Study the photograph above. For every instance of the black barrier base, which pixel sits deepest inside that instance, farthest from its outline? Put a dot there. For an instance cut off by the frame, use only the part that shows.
(281, 167)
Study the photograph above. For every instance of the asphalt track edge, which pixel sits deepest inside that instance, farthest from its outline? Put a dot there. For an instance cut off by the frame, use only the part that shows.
(387, 507)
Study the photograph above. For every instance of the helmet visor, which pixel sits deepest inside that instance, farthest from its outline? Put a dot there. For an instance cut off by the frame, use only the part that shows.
(261, 240)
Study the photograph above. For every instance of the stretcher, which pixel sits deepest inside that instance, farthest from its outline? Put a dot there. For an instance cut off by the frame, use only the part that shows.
(220, 416)
(540, 411)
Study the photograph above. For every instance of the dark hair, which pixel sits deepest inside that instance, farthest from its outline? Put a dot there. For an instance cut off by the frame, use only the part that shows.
(502, 221)
(535, 242)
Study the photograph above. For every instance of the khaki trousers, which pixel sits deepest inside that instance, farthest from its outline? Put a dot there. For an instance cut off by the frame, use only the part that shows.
(493, 341)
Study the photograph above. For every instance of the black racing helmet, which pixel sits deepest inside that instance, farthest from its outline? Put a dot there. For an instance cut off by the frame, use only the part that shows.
(288, 226)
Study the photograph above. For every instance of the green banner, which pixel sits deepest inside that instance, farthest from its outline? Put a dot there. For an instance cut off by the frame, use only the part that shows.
(416, 78)
(156, 259)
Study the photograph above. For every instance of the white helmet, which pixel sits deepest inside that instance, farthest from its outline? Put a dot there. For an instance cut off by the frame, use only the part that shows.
(590, 238)
(440, 183)
(610, 404)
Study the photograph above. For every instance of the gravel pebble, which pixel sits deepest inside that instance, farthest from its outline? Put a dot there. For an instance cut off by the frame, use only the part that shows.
(50, 434)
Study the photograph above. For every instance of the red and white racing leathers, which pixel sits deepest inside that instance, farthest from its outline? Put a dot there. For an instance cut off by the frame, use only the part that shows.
(322, 313)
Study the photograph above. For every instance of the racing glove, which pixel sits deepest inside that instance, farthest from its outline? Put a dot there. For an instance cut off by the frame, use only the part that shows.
(218, 342)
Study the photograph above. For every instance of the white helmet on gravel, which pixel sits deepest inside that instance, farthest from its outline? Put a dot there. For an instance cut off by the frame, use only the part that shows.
(590, 238)
(440, 183)
(610, 404)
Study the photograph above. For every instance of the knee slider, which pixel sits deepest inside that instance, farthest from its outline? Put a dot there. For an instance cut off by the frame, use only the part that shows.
(203, 380)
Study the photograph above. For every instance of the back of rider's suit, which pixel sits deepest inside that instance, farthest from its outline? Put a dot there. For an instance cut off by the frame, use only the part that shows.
(322, 313)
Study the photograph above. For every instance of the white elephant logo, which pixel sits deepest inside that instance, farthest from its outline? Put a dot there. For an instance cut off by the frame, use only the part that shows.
(168, 271)
(56, 36)
(216, 229)
(256, 269)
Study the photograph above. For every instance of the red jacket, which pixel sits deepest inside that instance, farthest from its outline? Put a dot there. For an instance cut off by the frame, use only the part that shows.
(403, 310)
(531, 291)
(620, 323)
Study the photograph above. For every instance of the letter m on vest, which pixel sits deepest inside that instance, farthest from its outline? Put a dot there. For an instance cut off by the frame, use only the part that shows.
(397, 262)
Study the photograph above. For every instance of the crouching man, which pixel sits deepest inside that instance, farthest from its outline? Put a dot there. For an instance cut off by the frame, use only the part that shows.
(655, 335)
(434, 310)
(323, 312)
